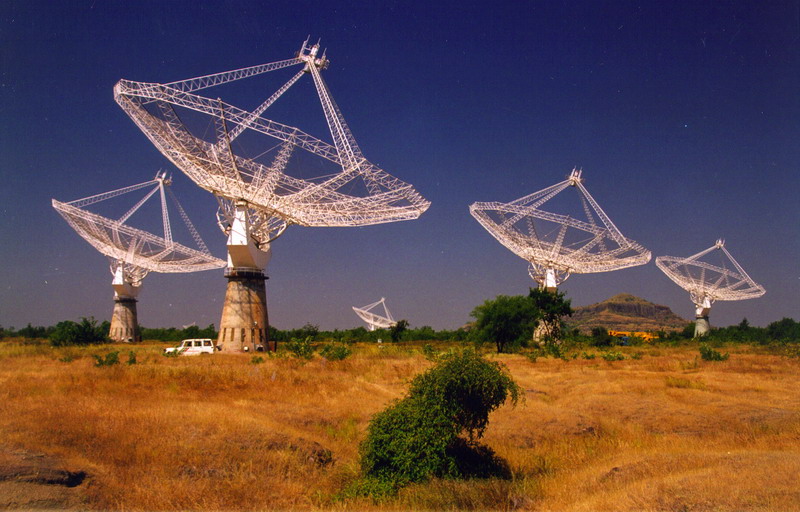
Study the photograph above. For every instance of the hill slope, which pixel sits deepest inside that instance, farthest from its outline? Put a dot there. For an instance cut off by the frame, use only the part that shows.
(625, 312)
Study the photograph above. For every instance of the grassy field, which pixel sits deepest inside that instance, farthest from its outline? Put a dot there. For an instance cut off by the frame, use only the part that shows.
(662, 431)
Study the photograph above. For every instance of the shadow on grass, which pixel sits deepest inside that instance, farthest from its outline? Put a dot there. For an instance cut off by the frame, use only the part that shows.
(475, 460)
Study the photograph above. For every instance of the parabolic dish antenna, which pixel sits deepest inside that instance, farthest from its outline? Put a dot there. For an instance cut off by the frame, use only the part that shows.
(557, 245)
(375, 320)
(709, 279)
(358, 193)
(266, 174)
(134, 252)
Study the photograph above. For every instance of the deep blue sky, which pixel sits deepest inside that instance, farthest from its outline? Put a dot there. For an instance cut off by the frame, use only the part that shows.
(684, 116)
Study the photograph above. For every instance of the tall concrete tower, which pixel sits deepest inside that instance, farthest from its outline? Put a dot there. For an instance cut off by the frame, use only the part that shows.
(244, 325)
(124, 322)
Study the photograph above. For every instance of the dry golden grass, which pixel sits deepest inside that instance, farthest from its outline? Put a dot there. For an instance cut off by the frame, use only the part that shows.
(664, 432)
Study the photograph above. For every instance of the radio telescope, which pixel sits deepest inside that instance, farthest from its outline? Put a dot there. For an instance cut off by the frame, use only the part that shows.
(557, 245)
(708, 282)
(375, 320)
(134, 253)
(259, 196)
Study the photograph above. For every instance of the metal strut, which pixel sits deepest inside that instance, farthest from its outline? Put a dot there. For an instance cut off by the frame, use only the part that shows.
(324, 201)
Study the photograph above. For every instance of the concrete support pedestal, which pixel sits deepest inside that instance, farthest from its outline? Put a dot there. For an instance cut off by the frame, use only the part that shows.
(701, 326)
(245, 325)
(548, 329)
(701, 311)
(124, 322)
(544, 330)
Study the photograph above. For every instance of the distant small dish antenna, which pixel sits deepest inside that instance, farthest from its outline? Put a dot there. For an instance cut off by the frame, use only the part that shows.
(557, 245)
(710, 281)
(374, 319)
(134, 253)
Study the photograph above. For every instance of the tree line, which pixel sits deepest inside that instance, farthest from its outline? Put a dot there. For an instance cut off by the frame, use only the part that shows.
(508, 322)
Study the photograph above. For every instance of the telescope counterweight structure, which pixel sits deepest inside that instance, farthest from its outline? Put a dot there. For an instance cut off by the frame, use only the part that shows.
(132, 252)
(709, 282)
(260, 198)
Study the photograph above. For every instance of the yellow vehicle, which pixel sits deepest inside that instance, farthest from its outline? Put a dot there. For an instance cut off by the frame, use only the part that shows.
(646, 336)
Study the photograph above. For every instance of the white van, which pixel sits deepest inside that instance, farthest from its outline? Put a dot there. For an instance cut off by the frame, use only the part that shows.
(192, 347)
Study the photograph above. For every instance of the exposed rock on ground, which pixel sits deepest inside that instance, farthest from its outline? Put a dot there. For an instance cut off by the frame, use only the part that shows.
(35, 481)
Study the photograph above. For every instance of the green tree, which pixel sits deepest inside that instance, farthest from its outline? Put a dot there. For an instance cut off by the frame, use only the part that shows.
(688, 331)
(785, 329)
(191, 332)
(309, 330)
(85, 332)
(208, 332)
(553, 307)
(432, 431)
(32, 332)
(509, 322)
(356, 334)
(601, 338)
(397, 330)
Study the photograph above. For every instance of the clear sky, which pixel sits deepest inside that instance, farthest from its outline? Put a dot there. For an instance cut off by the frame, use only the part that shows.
(684, 115)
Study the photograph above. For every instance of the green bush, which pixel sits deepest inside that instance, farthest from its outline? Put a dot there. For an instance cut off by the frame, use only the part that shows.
(86, 332)
(601, 338)
(369, 486)
(256, 360)
(792, 351)
(709, 354)
(300, 347)
(554, 350)
(468, 386)
(613, 356)
(110, 359)
(335, 352)
(432, 431)
(131, 357)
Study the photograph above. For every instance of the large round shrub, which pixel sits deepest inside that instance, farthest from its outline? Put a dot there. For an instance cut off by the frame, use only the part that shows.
(431, 432)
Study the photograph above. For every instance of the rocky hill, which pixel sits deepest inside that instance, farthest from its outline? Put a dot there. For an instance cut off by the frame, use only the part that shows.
(624, 312)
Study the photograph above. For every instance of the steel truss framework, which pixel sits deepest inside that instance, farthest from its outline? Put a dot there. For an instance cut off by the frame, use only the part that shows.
(138, 252)
(557, 245)
(375, 320)
(276, 199)
(707, 282)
